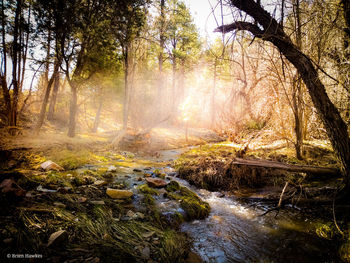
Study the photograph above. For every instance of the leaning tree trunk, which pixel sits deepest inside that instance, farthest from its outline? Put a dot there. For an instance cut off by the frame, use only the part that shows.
(51, 113)
(272, 31)
(46, 99)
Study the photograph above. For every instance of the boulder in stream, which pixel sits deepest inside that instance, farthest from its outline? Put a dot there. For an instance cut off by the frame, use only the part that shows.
(156, 183)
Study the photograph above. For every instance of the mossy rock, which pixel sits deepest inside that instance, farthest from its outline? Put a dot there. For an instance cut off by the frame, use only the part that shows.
(173, 186)
(145, 189)
(190, 202)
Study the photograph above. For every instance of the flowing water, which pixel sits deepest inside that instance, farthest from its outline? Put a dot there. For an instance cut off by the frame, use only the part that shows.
(236, 232)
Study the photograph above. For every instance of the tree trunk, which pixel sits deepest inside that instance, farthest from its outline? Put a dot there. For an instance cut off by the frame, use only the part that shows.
(213, 93)
(46, 99)
(174, 93)
(73, 109)
(335, 126)
(126, 89)
(52, 105)
(97, 117)
(297, 87)
(16, 49)
(159, 103)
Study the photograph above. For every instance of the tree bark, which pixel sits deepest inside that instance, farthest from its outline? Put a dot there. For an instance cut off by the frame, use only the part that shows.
(335, 126)
(73, 109)
(51, 113)
(126, 102)
(15, 53)
(97, 117)
(46, 99)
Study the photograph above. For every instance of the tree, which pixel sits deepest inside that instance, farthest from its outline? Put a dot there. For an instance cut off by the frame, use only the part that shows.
(183, 46)
(15, 30)
(269, 29)
(127, 18)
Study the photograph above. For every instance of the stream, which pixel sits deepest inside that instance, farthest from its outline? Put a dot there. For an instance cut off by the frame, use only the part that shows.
(236, 232)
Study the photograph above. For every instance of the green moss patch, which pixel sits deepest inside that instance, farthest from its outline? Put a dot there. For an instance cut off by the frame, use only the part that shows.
(190, 202)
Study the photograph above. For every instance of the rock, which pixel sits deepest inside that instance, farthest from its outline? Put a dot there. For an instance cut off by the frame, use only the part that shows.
(146, 253)
(139, 179)
(100, 183)
(50, 165)
(58, 204)
(97, 202)
(137, 170)
(147, 175)
(130, 213)
(112, 168)
(41, 189)
(58, 238)
(82, 199)
(221, 195)
(119, 194)
(10, 186)
(140, 215)
(156, 183)
(8, 241)
(148, 234)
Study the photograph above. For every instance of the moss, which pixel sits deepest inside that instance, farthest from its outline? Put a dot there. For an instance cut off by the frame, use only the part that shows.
(145, 189)
(190, 202)
(149, 200)
(70, 160)
(173, 186)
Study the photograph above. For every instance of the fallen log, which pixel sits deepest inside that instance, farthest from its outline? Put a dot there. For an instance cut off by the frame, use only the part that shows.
(308, 169)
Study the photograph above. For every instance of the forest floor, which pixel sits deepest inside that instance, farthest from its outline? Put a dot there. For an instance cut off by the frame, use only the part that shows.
(106, 204)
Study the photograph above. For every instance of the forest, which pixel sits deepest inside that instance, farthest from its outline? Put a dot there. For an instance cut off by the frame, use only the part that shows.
(175, 131)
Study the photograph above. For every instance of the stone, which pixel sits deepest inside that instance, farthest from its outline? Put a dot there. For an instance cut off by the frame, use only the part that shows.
(100, 183)
(148, 234)
(146, 253)
(112, 168)
(140, 215)
(41, 189)
(50, 165)
(58, 238)
(97, 202)
(137, 170)
(156, 183)
(130, 213)
(82, 199)
(10, 186)
(119, 194)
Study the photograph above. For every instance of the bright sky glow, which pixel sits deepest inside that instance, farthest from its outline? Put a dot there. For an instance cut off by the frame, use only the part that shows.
(201, 11)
